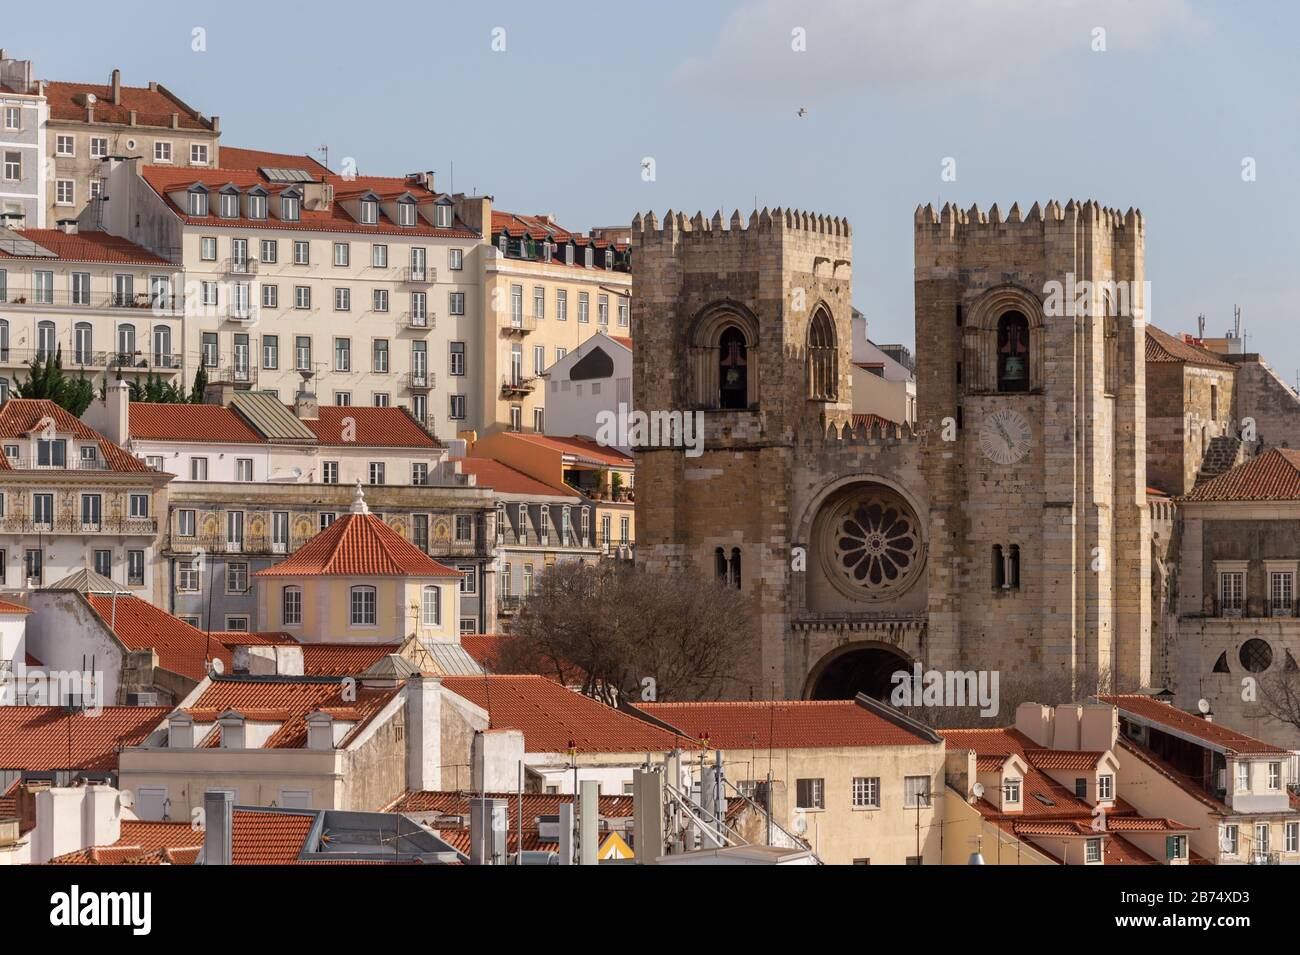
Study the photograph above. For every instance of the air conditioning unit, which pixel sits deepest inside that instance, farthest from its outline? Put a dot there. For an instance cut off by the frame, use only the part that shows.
(548, 828)
(142, 699)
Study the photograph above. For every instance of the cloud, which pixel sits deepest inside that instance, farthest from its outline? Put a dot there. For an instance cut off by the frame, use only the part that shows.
(917, 46)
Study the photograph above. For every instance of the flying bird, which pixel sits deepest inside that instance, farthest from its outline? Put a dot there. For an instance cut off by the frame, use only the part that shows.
(803, 111)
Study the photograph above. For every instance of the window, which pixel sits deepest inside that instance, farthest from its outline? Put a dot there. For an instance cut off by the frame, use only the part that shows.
(419, 308)
(1281, 593)
(464, 528)
(236, 577)
(561, 305)
(1228, 840)
(379, 299)
(208, 250)
(1274, 776)
(91, 511)
(237, 623)
(243, 469)
(330, 472)
(528, 580)
(98, 147)
(257, 210)
(342, 254)
(64, 145)
(516, 418)
(198, 154)
(379, 355)
(584, 307)
(302, 296)
(1105, 787)
(326, 519)
(624, 311)
(290, 207)
(185, 523)
(406, 212)
(1175, 847)
(431, 607)
(291, 606)
(301, 252)
(1292, 843)
(1013, 352)
(456, 303)
(228, 205)
(470, 625)
(1262, 840)
(379, 256)
(342, 354)
(235, 530)
(51, 452)
(104, 563)
(539, 302)
(271, 351)
(208, 344)
(419, 473)
(135, 568)
(302, 353)
(269, 250)
(1243, 777)
(602, 309)
(419, 407)
(468, 579)
(866, 792)
(455, 259)
(65, 191)
(34, 566)
(457, 407)
(442, 215)
(375, 471)
(14, 117)
(810, 794)
(457, 360)
(342, 398)
(1232, 587)
(270, 296)
(139, 505)
(1011, 790)
(162, 152)
(13, 165)
(369, 212)
(916, 791)
(363, 607)
(1092, 850)
(539, 420)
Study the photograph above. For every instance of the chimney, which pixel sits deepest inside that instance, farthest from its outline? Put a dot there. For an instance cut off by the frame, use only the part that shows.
(180, 730)
(176, 120)
(101, 815)
(130, 117)
(1066, 722)
(216, 124)
(320, 731)
(111, 416)
(117, 89)
(58, 823)
(305, 404)
(423, 733)
(233, 730)
(1035, 721)
(488, 821)
(68, 226)
(495, 756)
(1099, 728)
(218, 825)
(219, 393)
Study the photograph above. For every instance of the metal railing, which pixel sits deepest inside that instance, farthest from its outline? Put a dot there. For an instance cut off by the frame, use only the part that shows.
(517, 385)
(420, 320)
(418, 380)
(234, 266)
(168, 304)
(413, 276)
(75, 525)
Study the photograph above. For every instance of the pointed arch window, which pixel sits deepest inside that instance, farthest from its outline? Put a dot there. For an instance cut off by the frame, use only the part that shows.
(733, 568)
(823, 358)
(720, 564)
(733, 369)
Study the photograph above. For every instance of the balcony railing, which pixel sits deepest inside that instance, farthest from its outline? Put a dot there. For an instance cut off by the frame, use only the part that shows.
(241, 266)
(74, 358)
(418, 380)
(509, 603)
(1252, 608)
(519, 325)
(21, 524)
(513, 386)
(166, 304)
(415, 276)
(418, 320)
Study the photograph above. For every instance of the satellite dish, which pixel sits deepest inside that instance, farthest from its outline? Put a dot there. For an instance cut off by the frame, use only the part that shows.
(1203, 705)
(217, 667)
(977, 790)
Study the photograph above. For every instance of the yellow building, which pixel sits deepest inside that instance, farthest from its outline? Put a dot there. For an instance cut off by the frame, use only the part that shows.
(359, 581)
(545, 291)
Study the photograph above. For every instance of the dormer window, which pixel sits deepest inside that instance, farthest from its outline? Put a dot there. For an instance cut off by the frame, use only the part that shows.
(198, 203)
(229, 205)
(256, 206)
(503, 242)
(609, 258)
(291, 207)
(442, 216)
(568, 253)
(406, 213)
(369, 212)
(548, 249)
(587, 257)
(1011, 791)
(1105, 788)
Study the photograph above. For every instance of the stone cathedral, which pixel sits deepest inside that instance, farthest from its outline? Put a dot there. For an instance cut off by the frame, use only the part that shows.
(1008, 531)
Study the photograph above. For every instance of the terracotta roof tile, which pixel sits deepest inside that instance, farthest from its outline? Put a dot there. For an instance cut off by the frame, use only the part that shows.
(46, 738)
(783, 724)
(152, 107)
(489, 472)
(872, 421)
(268, 838)
(373, 427)
(139, 625)
(343, 659)
(582, 448)
(233, 157)
(625, 342)
(1166, 715)
(1163, 347)
(252, 638)
(157, 421)
(1273, 476)
(89, 246)
(1063, 759)
(19, 417)
(550, 716)
(287, 700)
(8, 606)
(359, 545)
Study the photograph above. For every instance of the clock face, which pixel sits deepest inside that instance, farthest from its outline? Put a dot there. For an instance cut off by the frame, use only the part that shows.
(1005, 436)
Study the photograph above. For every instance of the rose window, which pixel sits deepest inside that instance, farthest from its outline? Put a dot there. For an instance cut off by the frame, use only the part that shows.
(874, 543)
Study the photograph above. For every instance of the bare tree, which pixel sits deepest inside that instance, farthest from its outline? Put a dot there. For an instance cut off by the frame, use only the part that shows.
(1045, 685)
(1279, 696)
(624, 632)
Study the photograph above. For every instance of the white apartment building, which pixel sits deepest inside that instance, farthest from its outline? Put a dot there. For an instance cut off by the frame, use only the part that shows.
(368, 287)
(102, 304)
(24, 113)
(588, 387)
(72, 499)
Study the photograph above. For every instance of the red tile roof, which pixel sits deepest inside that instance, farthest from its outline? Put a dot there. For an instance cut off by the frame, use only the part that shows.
(550, 716)
(583, 448)
(166, 180)
(89, 246)
(46, 738)
(142, 843)
(359, 545)
(343, 659)
(625, 342)
(1170, 717)
(784, 724)
(153, 107)
(1163, 347)
(233, 157)
(7, 606)
(489, 472)
(287, 701)
(1273, 476)
(268, 838)
(485, 648)
(373, 427)
(252, 638)
(19, 417)
(139, 625)
(1080, 760)
(872, 421)
(183, 422)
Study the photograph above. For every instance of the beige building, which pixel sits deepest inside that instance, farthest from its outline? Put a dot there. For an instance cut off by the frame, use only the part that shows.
(368, 287)
(104, 306)
(856, 780)
(546, 290)
(72, 499)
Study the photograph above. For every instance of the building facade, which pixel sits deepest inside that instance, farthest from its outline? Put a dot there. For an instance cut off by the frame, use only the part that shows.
(25, 117)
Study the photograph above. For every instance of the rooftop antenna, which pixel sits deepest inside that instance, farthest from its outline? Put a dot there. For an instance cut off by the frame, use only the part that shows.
(1236, 321)
(324, 150)
(1200, 325)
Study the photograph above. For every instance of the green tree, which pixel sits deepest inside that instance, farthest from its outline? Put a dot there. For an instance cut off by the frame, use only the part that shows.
(155, 389)
(46, 380)
(200, 386)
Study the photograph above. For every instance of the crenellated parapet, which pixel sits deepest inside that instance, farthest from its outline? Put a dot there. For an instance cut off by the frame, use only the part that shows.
(952, 226)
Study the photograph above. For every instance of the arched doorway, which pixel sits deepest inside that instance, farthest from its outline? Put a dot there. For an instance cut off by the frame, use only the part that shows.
(844, 674)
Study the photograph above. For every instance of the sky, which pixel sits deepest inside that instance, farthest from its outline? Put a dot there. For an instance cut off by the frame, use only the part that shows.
(1186, 110)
